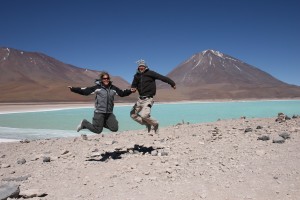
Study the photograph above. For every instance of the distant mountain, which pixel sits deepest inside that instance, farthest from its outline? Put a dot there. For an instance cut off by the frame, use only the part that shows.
(214, 75)
(36, 77)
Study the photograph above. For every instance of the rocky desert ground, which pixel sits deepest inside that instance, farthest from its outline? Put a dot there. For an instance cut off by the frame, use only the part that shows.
(251, 159)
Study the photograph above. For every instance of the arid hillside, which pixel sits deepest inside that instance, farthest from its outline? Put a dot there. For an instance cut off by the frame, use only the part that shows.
(36, 77)
(214, 75)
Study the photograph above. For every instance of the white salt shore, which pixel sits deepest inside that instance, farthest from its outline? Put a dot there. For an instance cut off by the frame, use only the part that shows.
(8, 140)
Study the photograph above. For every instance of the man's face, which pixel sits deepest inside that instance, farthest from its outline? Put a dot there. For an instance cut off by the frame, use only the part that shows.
(142, 68)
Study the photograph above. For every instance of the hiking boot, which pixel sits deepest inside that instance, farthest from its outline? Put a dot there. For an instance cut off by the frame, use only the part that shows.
(156, 129)
(148, 126)
(80, 126)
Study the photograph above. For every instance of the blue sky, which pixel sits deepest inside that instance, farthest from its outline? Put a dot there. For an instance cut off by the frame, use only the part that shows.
(112, 34)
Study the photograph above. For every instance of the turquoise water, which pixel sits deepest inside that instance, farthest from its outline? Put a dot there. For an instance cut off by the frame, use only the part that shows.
(62, 123)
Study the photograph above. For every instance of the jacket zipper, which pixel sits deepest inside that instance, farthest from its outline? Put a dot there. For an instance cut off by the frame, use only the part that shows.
(108, 93)
(141, 84)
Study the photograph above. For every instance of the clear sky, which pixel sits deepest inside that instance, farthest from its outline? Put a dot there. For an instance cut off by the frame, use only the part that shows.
(112, 34)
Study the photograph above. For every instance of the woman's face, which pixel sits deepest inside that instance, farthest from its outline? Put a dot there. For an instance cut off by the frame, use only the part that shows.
(105, 80)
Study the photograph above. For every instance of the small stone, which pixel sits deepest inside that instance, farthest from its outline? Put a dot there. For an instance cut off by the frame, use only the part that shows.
(30, 193)
(284, 135)
(164, 153)
(21, 161)
(25, 141)
(248, 130)
(5, 165)
(153, 178)
(64, 152)
(154, 153)
(9, 190)
(84, 136)
(46, 159)
(168, 171)
(114, 142)
(96, 154)
(147, 173)
(138, 179)
(109, 142)
(263, 138)
(278, 140)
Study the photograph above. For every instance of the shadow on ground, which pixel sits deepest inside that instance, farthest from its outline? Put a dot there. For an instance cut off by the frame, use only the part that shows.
(117, 154)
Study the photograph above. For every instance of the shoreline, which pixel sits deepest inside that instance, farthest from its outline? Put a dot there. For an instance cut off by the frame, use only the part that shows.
(3, 140)
(9, 108)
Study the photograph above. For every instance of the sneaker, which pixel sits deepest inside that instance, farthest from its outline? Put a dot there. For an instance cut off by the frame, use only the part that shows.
(148, 126)
(80, 126)
(156, 128)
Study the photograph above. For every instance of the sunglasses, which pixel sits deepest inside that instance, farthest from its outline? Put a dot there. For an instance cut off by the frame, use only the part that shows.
(105, 78)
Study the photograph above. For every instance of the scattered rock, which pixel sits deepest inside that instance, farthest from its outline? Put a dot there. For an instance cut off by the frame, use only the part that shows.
(9, 190)
(5, 165)
(285, 135)
(263, 138)
(147, 172)
(248, 130)
(109, 142)
(282, 118)
(138, 179)
(84, 136)
(64, 152)
(18, 179)
(46, 159)
(278, 139)
(30, 193)
(171, 162)
(21, 161)
(154, 153)
(259, 127)
(25, 141)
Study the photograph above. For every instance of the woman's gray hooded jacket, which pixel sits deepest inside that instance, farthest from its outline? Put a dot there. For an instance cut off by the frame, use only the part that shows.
(104, 100)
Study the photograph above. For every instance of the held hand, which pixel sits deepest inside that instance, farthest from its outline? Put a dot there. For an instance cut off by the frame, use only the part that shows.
(174, 87)
(133, 90)
(70, 87)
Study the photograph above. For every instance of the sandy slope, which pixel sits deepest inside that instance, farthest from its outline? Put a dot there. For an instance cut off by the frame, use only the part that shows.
(202, 161)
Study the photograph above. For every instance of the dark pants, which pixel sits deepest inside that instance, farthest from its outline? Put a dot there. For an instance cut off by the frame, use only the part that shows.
(100, 120)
